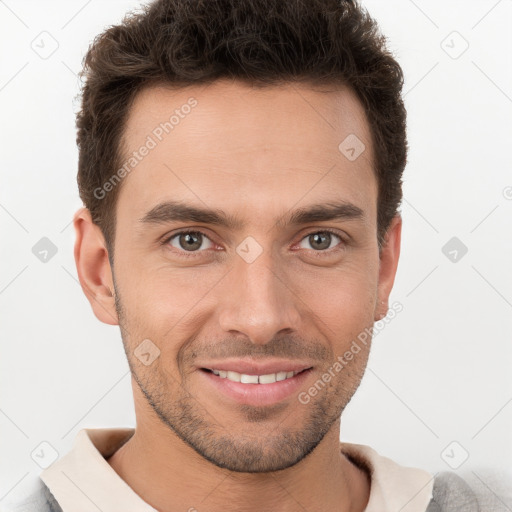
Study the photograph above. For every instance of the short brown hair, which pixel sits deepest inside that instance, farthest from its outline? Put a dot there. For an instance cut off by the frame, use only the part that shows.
(262, 42)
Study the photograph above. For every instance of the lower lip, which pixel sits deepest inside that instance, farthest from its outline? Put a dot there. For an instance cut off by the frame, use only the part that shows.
(257, 394)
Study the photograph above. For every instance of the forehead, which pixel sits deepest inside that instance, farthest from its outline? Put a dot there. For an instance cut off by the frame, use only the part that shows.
(228, 143)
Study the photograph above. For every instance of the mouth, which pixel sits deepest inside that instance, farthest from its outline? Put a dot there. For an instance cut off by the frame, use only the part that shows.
(255, 389)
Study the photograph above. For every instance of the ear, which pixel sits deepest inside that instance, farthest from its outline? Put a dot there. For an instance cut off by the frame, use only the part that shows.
(389, 255)
(93, 267)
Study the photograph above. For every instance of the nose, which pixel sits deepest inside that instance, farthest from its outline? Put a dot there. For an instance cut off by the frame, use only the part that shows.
(257, 301)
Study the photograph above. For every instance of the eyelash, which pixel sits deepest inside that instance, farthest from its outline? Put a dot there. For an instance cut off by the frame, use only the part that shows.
(193, 254)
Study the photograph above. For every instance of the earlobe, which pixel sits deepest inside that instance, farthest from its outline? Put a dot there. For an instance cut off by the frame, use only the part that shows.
(389, 256)
(93, 267)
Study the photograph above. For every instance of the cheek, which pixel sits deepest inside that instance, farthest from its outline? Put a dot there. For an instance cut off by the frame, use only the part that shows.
(343, 296)
(344, 311)
(165, 302)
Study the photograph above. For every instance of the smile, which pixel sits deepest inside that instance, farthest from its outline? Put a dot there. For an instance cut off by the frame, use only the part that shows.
(273, 388)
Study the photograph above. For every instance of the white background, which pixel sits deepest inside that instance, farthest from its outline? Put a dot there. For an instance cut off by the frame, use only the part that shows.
(438, 373)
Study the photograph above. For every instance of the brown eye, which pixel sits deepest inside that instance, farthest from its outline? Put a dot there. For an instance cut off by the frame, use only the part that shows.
(320, 240)
(190, 241)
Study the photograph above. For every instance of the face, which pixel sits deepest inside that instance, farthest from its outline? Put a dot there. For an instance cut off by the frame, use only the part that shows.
(246, 244)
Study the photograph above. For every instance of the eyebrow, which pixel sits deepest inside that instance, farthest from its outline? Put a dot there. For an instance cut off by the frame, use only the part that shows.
(175, 211)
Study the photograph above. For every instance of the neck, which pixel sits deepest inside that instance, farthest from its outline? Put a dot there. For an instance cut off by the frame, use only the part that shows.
(169, 475)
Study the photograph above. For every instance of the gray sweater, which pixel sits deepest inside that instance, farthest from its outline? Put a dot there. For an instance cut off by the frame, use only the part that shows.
(451, 493)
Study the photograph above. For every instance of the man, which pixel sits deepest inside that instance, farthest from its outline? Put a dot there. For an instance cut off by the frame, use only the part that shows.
(240, 166)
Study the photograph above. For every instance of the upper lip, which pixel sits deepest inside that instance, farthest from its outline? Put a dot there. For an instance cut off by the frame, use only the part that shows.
(257, 368)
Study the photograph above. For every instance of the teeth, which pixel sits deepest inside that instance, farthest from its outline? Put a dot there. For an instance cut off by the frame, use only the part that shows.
(253, 379)
(267, 379)
(248, 379)
(234, 376)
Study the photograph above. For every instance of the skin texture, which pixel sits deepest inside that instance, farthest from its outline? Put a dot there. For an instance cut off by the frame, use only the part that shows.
(258, 154)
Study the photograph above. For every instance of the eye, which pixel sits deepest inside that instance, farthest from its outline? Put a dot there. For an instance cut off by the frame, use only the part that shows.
(189, 241)
(320, 240)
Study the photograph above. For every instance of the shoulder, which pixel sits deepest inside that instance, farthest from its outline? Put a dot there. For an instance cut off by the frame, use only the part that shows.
(470, 493)
(39, 500)
(452, 493)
